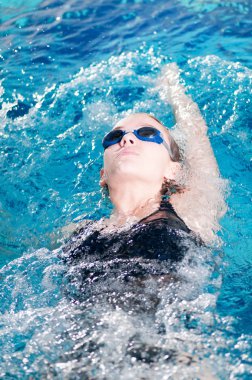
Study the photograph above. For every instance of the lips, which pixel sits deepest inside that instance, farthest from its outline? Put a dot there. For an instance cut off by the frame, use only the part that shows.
(127, 152)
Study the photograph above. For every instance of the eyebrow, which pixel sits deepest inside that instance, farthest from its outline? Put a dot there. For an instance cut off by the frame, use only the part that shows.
(142, 125)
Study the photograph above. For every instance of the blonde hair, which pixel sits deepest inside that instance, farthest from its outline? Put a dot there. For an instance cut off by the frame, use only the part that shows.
(170, 186)
(175, 153)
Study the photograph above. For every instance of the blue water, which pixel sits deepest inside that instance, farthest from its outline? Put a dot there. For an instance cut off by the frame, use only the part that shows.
(69, 69)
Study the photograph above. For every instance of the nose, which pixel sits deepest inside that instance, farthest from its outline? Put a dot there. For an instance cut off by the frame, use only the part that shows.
(128, 139)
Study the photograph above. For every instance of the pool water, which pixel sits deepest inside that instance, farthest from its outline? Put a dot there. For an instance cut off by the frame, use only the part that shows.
(69, 70)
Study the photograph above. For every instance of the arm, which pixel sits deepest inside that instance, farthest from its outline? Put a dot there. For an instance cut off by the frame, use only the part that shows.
(202, 203)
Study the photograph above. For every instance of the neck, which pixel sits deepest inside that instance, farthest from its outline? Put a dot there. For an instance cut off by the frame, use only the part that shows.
(134, 201)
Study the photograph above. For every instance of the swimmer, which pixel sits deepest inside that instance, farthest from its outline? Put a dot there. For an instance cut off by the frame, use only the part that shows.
(167, 202)
(165, 198)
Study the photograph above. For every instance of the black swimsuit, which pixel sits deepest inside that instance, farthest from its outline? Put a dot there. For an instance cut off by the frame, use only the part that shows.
(157, 236)
(100, 263)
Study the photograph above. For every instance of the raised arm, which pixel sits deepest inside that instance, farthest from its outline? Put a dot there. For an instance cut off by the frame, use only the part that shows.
(202, 203)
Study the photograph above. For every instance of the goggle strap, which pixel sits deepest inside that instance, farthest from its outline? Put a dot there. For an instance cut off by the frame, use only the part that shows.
(167, 147)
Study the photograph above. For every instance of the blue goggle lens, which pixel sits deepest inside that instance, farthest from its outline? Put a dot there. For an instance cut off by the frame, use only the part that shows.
(144, 133)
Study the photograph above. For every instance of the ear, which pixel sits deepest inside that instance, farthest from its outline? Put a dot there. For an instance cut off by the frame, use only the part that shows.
(173, 170)
(102, 178)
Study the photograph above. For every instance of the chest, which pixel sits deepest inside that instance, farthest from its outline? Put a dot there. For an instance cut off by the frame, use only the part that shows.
(152, 241)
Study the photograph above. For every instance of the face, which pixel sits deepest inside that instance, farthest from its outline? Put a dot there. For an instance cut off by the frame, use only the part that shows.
(134, 159)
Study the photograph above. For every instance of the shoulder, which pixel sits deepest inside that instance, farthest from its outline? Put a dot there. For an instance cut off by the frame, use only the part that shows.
(75, 228)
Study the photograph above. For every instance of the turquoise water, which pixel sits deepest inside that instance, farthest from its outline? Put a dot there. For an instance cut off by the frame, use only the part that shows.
(68, 70)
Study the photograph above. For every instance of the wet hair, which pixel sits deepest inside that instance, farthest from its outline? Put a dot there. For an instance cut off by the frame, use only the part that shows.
(175, 153)
(170, 186)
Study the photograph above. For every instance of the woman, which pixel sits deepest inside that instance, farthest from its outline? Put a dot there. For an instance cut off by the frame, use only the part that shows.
(167, 201)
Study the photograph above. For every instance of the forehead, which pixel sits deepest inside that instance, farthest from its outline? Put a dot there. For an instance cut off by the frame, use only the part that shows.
(138, 120)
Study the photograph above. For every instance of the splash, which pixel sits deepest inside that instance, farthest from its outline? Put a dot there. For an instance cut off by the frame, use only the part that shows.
(52, 152)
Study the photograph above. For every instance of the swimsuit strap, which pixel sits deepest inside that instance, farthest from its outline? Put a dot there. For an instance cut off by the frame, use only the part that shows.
(167, 206)
(165, 210)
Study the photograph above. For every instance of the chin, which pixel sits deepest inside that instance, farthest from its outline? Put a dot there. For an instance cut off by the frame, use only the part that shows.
(132, 173)
(126, 172)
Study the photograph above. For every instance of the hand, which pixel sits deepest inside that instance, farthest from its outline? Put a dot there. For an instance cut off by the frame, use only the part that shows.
(169, 87)
(170, 74)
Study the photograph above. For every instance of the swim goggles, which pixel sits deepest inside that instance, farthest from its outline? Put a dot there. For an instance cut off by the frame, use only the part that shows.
(149, 134)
